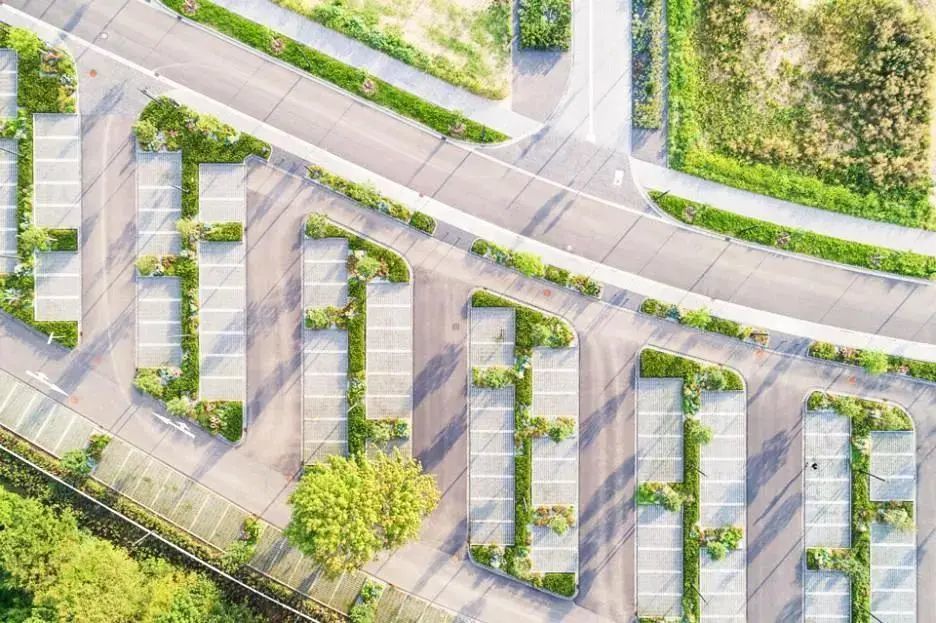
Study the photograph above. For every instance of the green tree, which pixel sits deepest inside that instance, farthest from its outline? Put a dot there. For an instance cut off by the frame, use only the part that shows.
(873, 362)
(76, 464)
(346, 510)
(530, 264)
(35, 239)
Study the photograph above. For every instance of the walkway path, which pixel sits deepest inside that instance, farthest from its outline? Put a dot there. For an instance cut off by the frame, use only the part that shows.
(493, 113)
(753, 205)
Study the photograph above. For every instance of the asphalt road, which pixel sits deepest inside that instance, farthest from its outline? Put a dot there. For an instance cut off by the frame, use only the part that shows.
(479, 183)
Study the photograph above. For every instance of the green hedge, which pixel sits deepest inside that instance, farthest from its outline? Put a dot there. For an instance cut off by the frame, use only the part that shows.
(165, 125)
(657, 364)
(444, 121)
(339, 16)
(545, 24)
(647, 63)
(713, 324)
(924, 370)
(533, 329)
(41, 89)
(685, 153)
(369, 197)
(532, 265)
(797, 240)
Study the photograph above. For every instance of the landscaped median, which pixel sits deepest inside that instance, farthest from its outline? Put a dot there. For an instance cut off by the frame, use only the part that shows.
(448, 122)
(164, 125)
(704, 321)
(367, 196)
(47, 83)
(647, 63)
(531, 265)
(670, 397)
(794, 240)
(516, 543)
(874, 362)
(865, 417)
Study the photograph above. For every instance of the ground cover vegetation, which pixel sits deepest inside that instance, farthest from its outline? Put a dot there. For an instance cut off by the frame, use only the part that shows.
(356, 81)
(675, 496)
(189, 594)
(703, 320)
(533, 329)
(531, 265)
(165, 125)
(874, 362)
(825, 103)
(465, 42)
(368, 196)
(865, 416)
(545, 24)
(647, 63)
(47, 83)
(797, 240)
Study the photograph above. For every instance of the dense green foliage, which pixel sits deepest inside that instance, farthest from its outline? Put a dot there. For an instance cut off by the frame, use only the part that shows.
(647, 63)
(532, 265)
(349, 78)
(826, 105)
(365, 610)
(47, 81)
(545, 24)
(696, 375)
(345, 510)
(369, 197)
(362, 24)
(165, 125)
(865, 416)
(797, 240)
(895, 364)
(532, 329)
(701, 319)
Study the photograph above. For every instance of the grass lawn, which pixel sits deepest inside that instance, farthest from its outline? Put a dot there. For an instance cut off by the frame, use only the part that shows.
(826, 103)
(465, 42)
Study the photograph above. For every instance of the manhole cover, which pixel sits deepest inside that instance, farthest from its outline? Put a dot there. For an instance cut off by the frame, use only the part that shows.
(456, 326)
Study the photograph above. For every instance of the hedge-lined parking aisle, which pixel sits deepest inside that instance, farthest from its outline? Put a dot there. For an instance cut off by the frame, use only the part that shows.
(165, 127)
(523, 471)
(865, 450)
(683, 405)
(45, 82)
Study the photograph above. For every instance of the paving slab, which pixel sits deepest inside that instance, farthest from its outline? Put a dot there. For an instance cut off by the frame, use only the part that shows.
(893, 574)
(827, 597)
(9, 174)
(159, 322)
(659, 430)
(159, 202)
(893, 461)
(659, 562)
(828, 485)
(9, 81)
(222, 192)
(221, 328)
(57, 170)
(58, 286)
(390, 340)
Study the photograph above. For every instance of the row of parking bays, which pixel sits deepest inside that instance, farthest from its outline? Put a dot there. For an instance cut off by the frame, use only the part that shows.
(722, 500)
(9, 80)
(189, 505)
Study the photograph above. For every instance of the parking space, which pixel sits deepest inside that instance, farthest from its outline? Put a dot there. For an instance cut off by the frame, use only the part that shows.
(222, 324)
(722, 503)
(222, 192)
(555, 465)
(390, 351)
(491, 485)
(58, 286)
(159, 202)
(9, 257)
(659, 532)
(893, 551)
(9, 83)
(159, 322)
(827, 448)
(57, 170)
(324, 352)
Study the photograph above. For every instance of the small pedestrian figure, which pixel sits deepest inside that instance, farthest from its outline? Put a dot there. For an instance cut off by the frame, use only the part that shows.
(815, 465)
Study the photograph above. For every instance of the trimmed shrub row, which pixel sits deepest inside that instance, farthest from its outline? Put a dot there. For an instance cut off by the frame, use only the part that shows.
(797, 240)
(531, 265)
(703, 320)
(874, 362)
(444, 121)
(44, 86)
(369, 197)
(647, 63)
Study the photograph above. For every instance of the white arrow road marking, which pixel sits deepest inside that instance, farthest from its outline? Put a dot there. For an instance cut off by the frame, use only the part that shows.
(180, 426)
(42, 378)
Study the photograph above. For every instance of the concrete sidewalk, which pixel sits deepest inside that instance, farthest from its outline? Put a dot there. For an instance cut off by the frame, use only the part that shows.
(552, 255)
(493, 113)
(655, 177)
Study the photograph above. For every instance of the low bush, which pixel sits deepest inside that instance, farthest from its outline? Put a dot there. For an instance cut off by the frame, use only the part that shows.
(647, 63)
(494, 377)
(383, 431)
(532, 265)
(720, 541)
(545, 24)
(423, 222)
(558, 429)
(223, 232)
(364, 609)
(703, 320)
(560, 583)
(343, 76)
(557, 517)
(318, 226)
(662, 493)
(923, 370)
(63, 239)
(797, 240)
